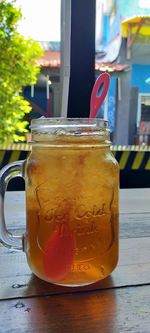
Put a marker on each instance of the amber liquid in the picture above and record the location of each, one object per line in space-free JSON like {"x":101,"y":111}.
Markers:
{"x":72,"y":214}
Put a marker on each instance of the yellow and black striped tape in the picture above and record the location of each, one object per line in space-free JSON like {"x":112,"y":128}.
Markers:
{"x":27,"y":147}
{"x":133,"y":160}
{"x":16,"y":146}
{"x":130,"y":148}
{"x":128,"y":157}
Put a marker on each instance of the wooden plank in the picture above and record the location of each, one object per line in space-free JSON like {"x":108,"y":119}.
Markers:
{"x":135,"y":201}
{"x":15,"y":207}
{"x":132,"y":201}
{"x":134,"y":225}
{"x":131,"y":225}
{"x":16,"y":279}
{"x":115,"y":311}
{"x":133,"y":221}
{"x":132,"y":251}
{"x":27,"y":285}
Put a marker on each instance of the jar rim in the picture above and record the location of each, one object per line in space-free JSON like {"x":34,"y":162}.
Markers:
{"x":44,"y":124}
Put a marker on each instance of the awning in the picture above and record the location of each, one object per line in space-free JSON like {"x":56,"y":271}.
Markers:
{"x":136,"y":28}
{"x":140,"y":24}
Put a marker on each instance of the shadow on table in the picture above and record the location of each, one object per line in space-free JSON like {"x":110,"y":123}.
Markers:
{"x":40,"y":287}
{"x":74,"y":309}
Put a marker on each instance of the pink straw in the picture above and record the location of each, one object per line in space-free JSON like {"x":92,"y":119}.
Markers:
{"x":96,"y":99}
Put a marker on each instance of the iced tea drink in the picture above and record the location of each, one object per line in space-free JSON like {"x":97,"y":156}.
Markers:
{"x":72,"y":202}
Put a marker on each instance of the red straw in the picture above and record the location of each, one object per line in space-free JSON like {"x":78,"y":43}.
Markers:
{"x":96,"y":100}
{"x":60,"y":247}
{"x":59,"y":253}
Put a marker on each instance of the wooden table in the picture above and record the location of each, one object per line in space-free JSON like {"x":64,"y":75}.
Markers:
{"x":120,"y":303}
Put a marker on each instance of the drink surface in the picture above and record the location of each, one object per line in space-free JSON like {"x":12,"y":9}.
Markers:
{"x":72,"y":213}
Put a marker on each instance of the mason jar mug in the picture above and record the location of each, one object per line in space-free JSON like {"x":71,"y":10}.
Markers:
{"x":71,"y":184}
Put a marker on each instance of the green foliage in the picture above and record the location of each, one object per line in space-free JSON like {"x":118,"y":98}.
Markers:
{"x":18,"y":68}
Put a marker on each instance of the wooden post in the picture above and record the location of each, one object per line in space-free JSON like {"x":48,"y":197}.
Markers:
{"x":82,"y":60}
{"x":65,"y":55}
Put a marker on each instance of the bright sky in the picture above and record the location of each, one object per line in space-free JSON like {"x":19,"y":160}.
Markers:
{"x":41,"y":19}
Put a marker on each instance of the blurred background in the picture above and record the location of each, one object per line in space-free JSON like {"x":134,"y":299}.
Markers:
{"x":122,"y":48}
{"x":79,"y":41}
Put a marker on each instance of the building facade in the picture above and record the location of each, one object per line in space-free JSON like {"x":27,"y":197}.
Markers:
{"x":125,"y":41}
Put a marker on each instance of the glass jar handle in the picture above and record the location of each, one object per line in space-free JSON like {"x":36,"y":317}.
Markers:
{"x":15,"y":169}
